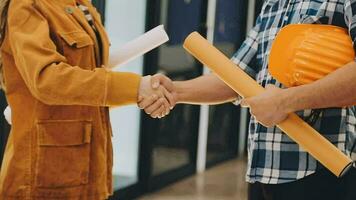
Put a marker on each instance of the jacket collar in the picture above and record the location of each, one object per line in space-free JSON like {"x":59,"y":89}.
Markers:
{"x":99,"y":26}
{"x":70,"y":7}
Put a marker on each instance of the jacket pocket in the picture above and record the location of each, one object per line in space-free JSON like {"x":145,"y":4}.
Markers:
{"x":77,"y":39}
{"x":78,"y":48}
{"x":63,"y":153}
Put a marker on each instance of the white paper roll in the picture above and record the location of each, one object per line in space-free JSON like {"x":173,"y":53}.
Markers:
{"x":138,"y":46}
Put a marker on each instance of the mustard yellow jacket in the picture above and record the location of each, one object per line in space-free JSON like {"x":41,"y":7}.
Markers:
{"x":60,"y":142}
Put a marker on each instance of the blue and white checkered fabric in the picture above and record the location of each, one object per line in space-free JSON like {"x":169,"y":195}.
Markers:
{"x":273,"y":157}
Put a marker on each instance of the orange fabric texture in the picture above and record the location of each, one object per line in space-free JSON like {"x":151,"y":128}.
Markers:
{"x":60,"y":142}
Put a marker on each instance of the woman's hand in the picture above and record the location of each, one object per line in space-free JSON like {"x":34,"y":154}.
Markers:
{"x":207,"y":89}
{"x":157,"y":95}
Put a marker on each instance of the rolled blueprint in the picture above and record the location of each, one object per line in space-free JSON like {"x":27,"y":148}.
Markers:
{"x":298,"y":130}
{"x":138,"y":46}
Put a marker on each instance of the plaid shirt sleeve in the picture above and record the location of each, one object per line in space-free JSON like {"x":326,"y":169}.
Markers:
{"x":245,"y":57}
{"x":350,"y":18}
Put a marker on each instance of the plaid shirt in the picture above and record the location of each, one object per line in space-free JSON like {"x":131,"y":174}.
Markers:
{"x":273,"y":158}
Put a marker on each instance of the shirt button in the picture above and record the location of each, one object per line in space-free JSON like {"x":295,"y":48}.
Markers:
{"x":69,"y":10}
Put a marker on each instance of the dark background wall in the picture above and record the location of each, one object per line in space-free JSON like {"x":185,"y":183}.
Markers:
{"x":4,"y":126}
{"x":100,"y":5}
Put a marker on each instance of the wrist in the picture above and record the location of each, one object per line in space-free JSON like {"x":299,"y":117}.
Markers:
{"x":179,"y":90}
{"x":289,"y":100}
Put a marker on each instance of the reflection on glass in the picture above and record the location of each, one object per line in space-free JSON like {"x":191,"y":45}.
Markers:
{"x":223,"y":129}
{"x":223,"y":119}
{"x":175,"y":139}
{"x":125,"y":121}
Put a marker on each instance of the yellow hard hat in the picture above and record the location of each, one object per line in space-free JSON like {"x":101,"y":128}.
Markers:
{"x":304,"y":53}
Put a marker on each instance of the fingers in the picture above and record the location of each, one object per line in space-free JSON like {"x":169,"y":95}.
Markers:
{"x":155,"y":81}
{"x":139,"y":99}
{"x":166,"y":108}
{"x":166,"y":86}
{"x":159,"y":110}
{"x":155,"y":106}
{"x":167,"y":83}
{"x":170,"y":97}
{"x":158,"y":113}
{"x":164,"y":99}
{"x":244,"y":103}
{"x":163,"y":80}
{"x":145,"y":102}
{"x":145,"y":88}
{"x":168,"y":101}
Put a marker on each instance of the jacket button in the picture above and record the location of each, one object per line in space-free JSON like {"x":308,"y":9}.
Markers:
{"x":69,"y":10}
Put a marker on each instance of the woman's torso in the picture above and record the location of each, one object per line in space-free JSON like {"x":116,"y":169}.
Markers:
{"x":57,"y":151}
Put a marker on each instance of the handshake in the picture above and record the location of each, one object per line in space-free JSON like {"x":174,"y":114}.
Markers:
{"x":157,"y":95}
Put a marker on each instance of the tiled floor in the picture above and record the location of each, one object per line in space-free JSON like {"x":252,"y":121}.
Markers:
{"x":223,"y":182}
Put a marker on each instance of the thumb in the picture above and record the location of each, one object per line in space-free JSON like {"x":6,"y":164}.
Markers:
{"x":155,"y":82}
{"x":139,"y":99}
{"x":165,"y":82}
{"x":244,"y":103}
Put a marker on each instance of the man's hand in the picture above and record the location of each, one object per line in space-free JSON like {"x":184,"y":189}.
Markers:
{"x":269,"y":107}
{"x":157,"y":95}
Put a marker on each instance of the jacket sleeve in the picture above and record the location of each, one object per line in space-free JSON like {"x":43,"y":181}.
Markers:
{"x":47,"y":75}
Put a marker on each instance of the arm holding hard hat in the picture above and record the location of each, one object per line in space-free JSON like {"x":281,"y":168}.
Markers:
{"x":338,"y":89}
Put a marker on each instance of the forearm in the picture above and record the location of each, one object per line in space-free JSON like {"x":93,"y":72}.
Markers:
{"x":207,"y":89}
{"x":338,"y":89}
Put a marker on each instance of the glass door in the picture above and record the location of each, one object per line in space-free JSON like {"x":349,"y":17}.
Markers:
{"x":171,"y":143}
{"x":229,"y":32}
{"x":124,"y":21}
{"x":4,"y":126}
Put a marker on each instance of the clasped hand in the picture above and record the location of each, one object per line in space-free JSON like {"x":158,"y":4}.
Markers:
{"x":157,"y":96}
